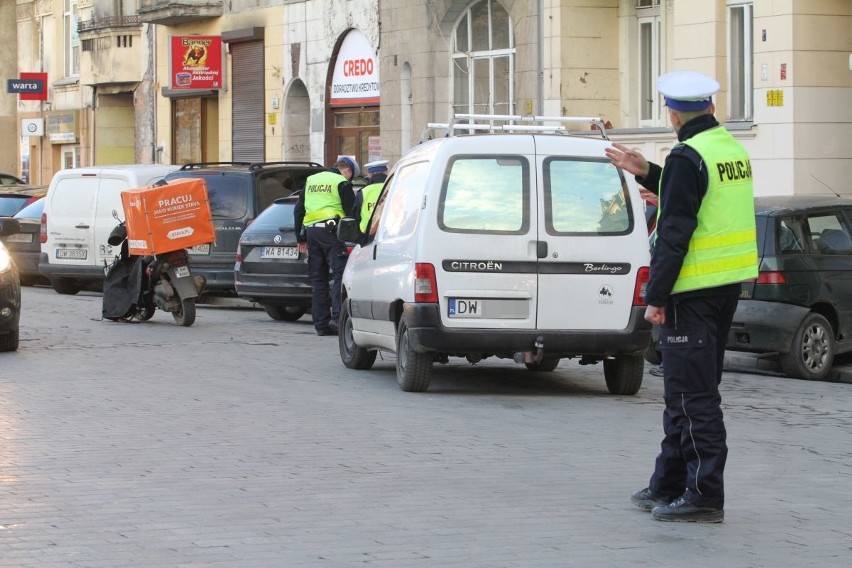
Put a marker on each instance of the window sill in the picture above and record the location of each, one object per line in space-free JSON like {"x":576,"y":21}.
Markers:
{"x":66,"y":81}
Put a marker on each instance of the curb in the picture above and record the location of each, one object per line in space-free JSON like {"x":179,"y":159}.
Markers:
{"x":768,"y":365}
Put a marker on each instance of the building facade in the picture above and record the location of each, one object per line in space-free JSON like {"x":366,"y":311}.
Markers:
{"x":314,"y":79}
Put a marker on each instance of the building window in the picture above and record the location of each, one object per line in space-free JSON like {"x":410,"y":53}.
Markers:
{"x":72,"y":40}
{"x":483,"y":60}
{"x":740,"y":56}
{"x":649,"y":64}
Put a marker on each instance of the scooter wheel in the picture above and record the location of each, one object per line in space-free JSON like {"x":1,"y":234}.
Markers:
{"x":185,"y":316}
{"x":146,"y":312}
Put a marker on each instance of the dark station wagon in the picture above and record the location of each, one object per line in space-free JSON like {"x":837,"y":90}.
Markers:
{"x":800,"y":306}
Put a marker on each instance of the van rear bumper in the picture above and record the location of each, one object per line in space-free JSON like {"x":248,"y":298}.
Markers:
{"x":72,"y":271}
{"x":428,"y":334}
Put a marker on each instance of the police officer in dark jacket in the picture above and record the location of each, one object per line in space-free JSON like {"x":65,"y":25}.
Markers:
{"x":705,"y":248}
{"x":327,"y":197}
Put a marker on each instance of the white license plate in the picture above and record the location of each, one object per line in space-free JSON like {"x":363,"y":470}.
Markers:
{"x":279,"y":252}
{"x":465,"y":308}
{"x":20,"y":238}
{"x":199,"y":249}
{"x":181,"y":271}
{"x":69,"y":253}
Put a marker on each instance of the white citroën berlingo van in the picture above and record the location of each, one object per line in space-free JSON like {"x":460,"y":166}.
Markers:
{"x":77,"y":220}
{"x":524,"y":244}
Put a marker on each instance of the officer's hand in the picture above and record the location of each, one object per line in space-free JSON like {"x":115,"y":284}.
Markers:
{"x":623,"y":157}
{"x":655,"y":315}
{"x":303,"y":247}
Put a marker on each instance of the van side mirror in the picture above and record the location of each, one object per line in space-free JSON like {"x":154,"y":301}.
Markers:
{"x":9,"y":226}
{"x":348,"y":229}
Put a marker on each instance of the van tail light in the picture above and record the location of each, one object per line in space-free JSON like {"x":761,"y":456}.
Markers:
{"x":642,"y":276}
{"x":771,"y":277}
{"x":42,"y":232}
{"x":239,"y":253}
{"x":425,"y":285}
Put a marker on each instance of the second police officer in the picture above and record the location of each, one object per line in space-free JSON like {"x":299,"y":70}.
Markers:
{"x":328,"y":196}
{"x":365,"y":200}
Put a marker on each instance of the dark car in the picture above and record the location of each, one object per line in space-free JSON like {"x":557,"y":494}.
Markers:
{"x":10,"y":291}
{"x":238,"y":192}
{"x":270,"y":270}
{"x":800,"y":306}
{"x":24,"y":245}
{"x":10,"y":180}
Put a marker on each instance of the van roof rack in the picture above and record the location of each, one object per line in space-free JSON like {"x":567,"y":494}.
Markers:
{"x":529,"y":124}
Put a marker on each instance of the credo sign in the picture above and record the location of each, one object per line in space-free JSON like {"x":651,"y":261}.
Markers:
{"x":356,"y":73}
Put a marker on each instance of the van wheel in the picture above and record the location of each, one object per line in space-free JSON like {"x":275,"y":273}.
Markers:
{"x":813,"y":350}
{"x":185,"y":315}
{"x":548,"y":363}
{"x":284,"y":313}
{"x":624,"y":374}
{"x":413,"y":369}
{"x":65,"y":286}
{"x":352,"y":356}
{"x":9,"y":341}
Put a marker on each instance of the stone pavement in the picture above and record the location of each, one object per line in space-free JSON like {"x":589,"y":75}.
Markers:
{"x":244,"y":442}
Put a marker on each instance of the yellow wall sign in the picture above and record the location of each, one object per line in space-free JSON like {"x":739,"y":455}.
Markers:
{"x":272,"y":118}
{"x":775,"y":98}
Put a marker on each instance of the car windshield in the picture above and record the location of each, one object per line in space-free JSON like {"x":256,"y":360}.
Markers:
{"x":275,"y":217}
{"x":228,"y":193}
{"x":31,"y":211}
{"x":11,"y":204}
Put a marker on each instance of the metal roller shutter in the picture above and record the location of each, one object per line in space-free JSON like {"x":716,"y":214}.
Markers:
{"x":247,"y":132}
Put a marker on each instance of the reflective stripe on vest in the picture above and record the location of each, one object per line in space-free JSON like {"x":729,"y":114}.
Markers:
{"x":369,"y":195}
{"x":723,"y":248}
{"x":322,"y":200}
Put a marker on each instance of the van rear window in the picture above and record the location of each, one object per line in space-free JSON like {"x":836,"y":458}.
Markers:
{"x":585,"y":197}
{"x":486,"y":195}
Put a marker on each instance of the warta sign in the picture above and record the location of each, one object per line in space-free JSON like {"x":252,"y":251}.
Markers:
{"x":356,"y":73}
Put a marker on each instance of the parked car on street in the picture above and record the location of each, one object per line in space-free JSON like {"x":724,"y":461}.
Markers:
{"x":238,"y":192}
{"x":800,"y":306}
{"x":24,"y":245}
{"x":7,"y":179}
{"x":269,"y":269}
{"x":10,"y":291}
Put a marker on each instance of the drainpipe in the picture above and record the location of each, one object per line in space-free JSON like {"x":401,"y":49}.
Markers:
{"x":541,"y":57}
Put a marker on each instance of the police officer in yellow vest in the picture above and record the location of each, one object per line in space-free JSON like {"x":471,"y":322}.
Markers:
{"x":705,"y":247}
{"x":327,"y":197}
{"x":377,"y":173}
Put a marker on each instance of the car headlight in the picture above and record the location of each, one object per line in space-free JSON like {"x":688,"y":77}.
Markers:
{"x":5,"y":259}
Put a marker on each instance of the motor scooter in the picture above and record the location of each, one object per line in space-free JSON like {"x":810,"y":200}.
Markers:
{"x":134,"y":286}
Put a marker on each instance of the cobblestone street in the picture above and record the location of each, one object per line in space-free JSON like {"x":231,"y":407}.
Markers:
{"x":244,"y":442}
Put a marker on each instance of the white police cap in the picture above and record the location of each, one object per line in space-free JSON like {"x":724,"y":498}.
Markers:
{"x":376,"y":166}
{"x":687,"y":90}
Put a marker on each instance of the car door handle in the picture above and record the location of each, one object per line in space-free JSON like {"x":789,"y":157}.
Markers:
{"x":82,"y":226}
{"x":541,"y":249}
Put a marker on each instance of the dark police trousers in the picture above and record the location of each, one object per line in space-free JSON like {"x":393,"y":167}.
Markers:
{"x":326,"y":261}
{"x":693,"y":451}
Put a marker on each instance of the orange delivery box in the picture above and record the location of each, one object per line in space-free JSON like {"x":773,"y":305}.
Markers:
{"x":164,"y":218}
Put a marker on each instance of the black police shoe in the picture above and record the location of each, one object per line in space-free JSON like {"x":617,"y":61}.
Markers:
{"x":683,"y":511}
{"x":327,"y":331}
{"x":646,"y":499}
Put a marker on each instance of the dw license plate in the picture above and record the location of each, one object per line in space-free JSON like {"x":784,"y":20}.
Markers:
{"x":73,"y":254}
{"x":465,"y":308}
{"x":199,"y":249}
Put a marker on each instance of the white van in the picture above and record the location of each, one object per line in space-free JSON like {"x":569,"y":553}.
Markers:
{"x":77,"y":220}
{"x":530,"y":247}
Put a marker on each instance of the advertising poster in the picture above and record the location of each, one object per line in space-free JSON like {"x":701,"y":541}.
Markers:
{"x":196,"y":62}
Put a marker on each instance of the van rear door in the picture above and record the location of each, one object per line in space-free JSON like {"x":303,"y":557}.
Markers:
{"x":592,"y":235}
{"x":485,"y":246}
{"x":70,"y":217}
{"x":109,"y":200}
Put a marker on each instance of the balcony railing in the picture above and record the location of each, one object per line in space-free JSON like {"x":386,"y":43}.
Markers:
{"x":173,"y":12}
{"x":108,"y":22}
